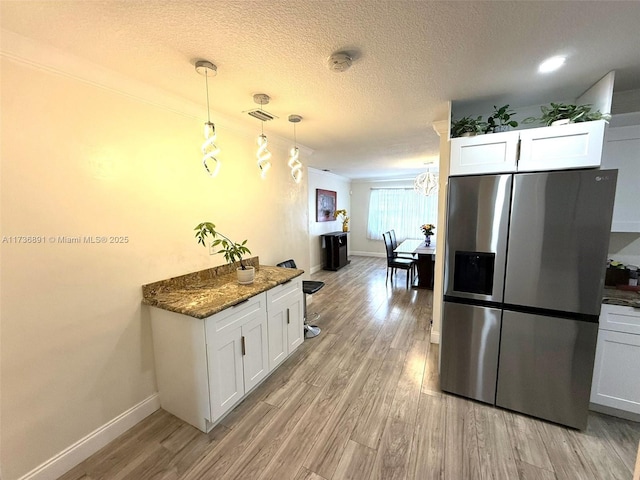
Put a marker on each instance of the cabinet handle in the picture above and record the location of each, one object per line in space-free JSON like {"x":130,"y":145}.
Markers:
{"x":244,"y":350}
{"x":288,"y":316}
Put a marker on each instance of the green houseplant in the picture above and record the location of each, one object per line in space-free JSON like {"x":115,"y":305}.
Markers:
{"x":467,"y":126}
{"x":567,"y":113}
{"x":500,"y":119}
{"x":232,"y":251}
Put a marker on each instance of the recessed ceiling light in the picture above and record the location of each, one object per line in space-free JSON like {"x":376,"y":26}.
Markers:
{"x":551,"y":64}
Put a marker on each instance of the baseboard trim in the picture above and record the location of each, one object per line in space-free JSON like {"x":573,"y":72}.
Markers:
{"x":368,"y":254}
{"x":315,"y":269}
{"x":71,"y":456}
{"x":615,"y":412}
{"x":435,"y":337}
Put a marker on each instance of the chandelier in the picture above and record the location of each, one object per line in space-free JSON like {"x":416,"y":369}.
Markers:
{"x":426,"y":183}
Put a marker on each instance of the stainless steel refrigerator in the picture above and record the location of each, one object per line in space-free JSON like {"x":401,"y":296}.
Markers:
{"x":525,"y":259}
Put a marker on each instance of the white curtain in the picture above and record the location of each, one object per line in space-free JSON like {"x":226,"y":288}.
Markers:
{"x":401,"y":209}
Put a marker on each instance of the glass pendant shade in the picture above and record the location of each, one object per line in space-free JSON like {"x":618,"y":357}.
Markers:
{"x":294,"y":154}
{"x":210,"y":150}
{"x":263,"y":155}
{"x":295,"y":164}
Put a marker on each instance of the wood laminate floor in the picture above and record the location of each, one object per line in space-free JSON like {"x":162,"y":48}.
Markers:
{"x":362,"y":402}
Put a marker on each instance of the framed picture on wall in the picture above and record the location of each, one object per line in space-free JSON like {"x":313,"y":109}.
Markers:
{"x":326,"y":202}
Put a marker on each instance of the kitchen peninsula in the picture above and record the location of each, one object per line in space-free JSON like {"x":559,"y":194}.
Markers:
{"x":215,"y":340}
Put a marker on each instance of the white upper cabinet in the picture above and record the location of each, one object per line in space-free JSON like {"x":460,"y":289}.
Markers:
{"x":561,"y":147}
{"x":496,"y":152}
{"x":577,"y":145}
{"x":622,"y":151}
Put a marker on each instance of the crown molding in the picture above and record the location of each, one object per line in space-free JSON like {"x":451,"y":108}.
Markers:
{"x":441,"y":127}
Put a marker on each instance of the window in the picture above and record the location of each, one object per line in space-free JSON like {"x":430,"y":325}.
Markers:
{"x":401,"y":209}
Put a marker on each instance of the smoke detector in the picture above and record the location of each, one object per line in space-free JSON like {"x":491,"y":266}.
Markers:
{"x":259,"y":113}
{"x":339,"y":62}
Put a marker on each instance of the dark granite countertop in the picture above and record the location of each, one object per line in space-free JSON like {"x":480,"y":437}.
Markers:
{"x":204,"y":293}
{"x":614,"y":296}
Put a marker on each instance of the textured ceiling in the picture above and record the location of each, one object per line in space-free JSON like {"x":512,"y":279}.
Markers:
{"x":411,"y":58}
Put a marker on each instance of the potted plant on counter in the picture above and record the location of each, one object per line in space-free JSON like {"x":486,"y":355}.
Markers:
{"x":232,"y":251}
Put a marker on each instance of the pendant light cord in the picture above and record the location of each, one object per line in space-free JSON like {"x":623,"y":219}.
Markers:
{"x":206,"y":81}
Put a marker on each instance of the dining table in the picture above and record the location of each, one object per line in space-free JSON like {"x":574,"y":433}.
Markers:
{"x":425,"y":261}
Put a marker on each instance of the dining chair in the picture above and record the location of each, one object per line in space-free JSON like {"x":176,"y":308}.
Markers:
{"x":394,"y":262}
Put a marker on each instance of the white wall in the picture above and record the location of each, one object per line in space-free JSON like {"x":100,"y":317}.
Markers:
{"x":340,"y":185}
{"x":625,"y":248}
{"x":360,"y":244}
{"x":82,"y":160}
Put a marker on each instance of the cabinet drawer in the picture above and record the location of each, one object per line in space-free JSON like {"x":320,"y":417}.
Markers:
{"x":618,"y":318}
{"x":283,"y":293}
{"x":236,"y":315}
{"x":496,"y":152}
{"x":575,"y":145}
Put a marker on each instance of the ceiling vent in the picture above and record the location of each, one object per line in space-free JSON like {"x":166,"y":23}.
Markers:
{"x":259,"y":113}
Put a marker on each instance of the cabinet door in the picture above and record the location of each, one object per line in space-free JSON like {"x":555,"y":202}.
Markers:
{"x":576,"y":145}
{"x":278,"y":350}
{"x":490,"y":153}
{"x":226,"y":372}
{"x":616,"y":371}
{"x":255,"y":352}
{"x":285,"y":319}
{"x":295,"y":322}
{"x":622,"y":151}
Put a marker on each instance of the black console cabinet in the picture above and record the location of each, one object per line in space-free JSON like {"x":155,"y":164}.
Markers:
{"x":335,"y":250}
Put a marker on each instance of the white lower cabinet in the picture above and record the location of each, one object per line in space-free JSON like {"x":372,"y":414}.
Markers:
{"x":285,"y":319}
{"x":616,"y":372}
{"x":206,"y":367}
{"x":237,"y":353}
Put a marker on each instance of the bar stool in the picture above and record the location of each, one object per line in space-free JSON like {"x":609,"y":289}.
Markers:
{"x":309,"y":287}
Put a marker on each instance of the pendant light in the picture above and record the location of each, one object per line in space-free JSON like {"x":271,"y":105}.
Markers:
{"x":263,"y":154}
{"x":294,"y":153}
{"x":209,"y":148}
{"x":426,"y":183}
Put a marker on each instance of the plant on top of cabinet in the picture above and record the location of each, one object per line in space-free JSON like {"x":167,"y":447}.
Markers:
{"x":561,"y":113}
{"x":467,"y":127}
{"x":232,"y":251}
{"x":500,"y":120}
{"x":344,"y":220}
